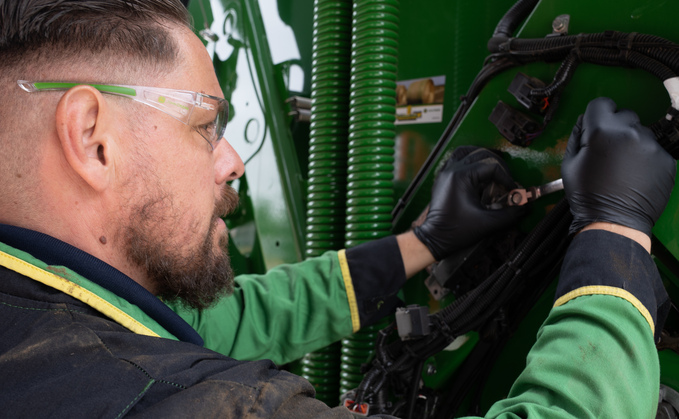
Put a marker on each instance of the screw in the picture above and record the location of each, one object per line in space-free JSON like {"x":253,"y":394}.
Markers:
{"x":560,"y":24}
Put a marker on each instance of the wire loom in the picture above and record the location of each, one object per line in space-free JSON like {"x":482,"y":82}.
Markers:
{"x":491,"y":307}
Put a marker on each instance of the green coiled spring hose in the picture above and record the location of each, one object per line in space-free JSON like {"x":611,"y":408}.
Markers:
{"x":328,"y":163}
{"x":370,"y":200}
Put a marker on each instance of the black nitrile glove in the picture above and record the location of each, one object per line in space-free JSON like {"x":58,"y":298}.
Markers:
{"x":457,"y":218}
{"x":614,"y":170}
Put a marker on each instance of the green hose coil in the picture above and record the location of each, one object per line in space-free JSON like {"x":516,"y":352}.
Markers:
{"x":370,"y":172}
{"x":326,"y":194}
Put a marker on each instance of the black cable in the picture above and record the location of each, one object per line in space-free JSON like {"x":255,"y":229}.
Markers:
{"x":557,"y":48}
{"x":414,"y":389}
{"x":562,"y":77}
{"x":511,"y":21}
{"x":628,"y":58}
{"x":488,"y":297}
{"x":479,"y":306}
{"x":477,"y":366}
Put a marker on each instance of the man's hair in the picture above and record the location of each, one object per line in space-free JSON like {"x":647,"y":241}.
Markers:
{"x":105,"y":41}
{"x":35,"y":32}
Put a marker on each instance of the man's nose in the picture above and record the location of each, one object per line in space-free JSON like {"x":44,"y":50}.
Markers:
{"x":228,"y":164}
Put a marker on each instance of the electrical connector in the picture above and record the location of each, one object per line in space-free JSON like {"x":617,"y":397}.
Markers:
{"x":521,"y":87}
{"x":518,"y":128}
{"x":412,"y":322}
{"x":357,"y":409}
{"x":666,"y":132}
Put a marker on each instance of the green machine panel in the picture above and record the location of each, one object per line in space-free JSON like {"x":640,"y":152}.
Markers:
{"x":262,"y":51}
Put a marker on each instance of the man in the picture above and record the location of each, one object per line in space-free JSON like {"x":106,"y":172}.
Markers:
{"x":113,"y":182}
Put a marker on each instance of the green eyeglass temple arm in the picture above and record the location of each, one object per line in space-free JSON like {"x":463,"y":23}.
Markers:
{"x":104,"y":88}
{"x":179,"y":104}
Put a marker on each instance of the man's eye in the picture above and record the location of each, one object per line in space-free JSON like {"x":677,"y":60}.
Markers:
{"x":206,"y":129}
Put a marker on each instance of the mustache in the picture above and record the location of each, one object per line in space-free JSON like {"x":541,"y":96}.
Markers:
{"x":228,"y":202}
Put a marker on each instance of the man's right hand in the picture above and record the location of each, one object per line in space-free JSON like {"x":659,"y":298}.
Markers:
{"x":457,"y":216}
{"x":615,"y":171}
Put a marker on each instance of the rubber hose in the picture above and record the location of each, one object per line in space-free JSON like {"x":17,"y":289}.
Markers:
{"x":630,"y":58}
{"x":510,"y":21}
{"x":327,"y":176}
{"x":557,"y":48}
{"x":602,"y":56}
{"x":563,"y":76}
{"x":374,"y":57}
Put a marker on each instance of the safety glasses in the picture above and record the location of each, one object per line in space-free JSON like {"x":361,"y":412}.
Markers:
{"x":204,"y":113}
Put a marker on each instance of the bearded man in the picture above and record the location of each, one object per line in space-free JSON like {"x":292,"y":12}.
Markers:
{"x":115,"y":285}
{"x":114,"y":180}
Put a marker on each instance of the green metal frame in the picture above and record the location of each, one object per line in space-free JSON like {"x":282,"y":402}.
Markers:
{"x":438,"y":37}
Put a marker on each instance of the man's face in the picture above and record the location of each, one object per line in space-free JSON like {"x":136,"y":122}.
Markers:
{"x":173,"y":229}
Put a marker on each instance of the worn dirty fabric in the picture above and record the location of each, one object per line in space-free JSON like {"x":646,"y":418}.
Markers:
{"x":60,"y":358}
{"x":70,"y":347}
{"x":595,"y":355}
{"x":292,"y":310}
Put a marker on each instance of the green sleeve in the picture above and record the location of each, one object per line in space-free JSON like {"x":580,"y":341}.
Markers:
{"x":295,"y":309}
{"x":594,"y":358}
{"x":595,"y":355}
{"x":289,"y":311}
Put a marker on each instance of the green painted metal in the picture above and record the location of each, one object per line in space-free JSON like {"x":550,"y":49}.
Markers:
{"x":435,"y":38}
{"x":439,"y":38}
{"x":261,"y":133}
{"x":540,"y":163}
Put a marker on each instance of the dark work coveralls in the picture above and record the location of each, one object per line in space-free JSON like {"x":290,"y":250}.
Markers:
{"x":80,"y":339}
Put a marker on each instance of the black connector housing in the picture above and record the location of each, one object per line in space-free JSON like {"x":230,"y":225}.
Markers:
{"x":518,"y":128}
{"x":521,"y":87}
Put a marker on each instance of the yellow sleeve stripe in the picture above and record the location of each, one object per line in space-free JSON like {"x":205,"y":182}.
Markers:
{"x":349,"y":286}
{"x":606,"y":290}
{"x":75,"y":291}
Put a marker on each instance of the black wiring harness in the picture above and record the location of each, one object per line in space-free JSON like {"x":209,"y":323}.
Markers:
{"x":398,"y":364}
{"x":496,"y":305}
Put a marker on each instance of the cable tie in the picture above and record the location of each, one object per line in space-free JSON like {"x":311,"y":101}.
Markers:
{"x":445,"y":329}
{"x":576,"y":48}
{"x":509,"y":45}
{"x":626,"y":47}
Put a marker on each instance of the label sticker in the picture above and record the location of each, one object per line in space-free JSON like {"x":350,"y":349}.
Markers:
{"x":420,"y":101}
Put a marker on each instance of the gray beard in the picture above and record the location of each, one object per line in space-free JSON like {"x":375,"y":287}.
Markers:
{"x":196,"y":280}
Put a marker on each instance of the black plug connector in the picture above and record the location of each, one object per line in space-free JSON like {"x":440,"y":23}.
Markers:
{"x":518,"y":128}
{"x":521,"y":87}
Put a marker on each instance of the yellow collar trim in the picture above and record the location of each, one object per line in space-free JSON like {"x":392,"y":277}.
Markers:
{"x":76,"y":291}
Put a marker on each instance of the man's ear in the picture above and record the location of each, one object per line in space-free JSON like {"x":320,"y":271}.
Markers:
{"x":84,"y":128}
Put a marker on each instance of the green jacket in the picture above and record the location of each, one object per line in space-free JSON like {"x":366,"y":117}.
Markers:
{"x":594,"y":357}
{"x":290,"y":311}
